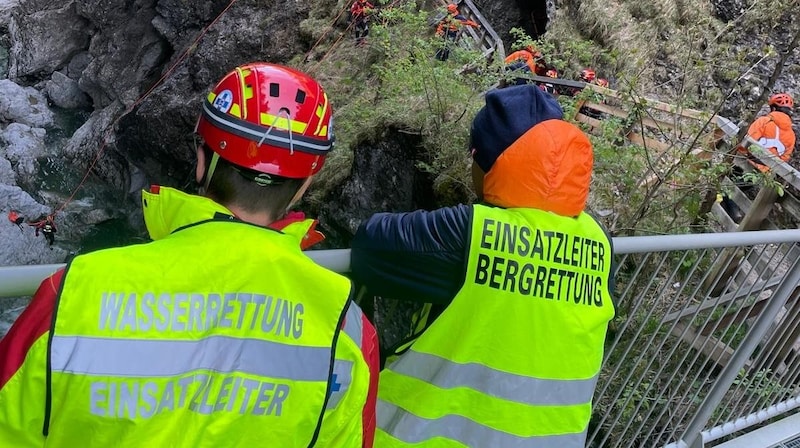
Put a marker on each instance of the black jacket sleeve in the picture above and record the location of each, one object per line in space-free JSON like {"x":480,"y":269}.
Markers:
{"x":419,"y":256}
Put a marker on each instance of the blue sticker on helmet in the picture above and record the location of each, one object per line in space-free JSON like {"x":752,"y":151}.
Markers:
{"x":224,"y":101}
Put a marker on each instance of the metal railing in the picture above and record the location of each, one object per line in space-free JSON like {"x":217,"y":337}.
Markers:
{"x":681,"y":367}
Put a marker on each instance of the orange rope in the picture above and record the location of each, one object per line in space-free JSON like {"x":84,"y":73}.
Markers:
{"x":333,"y":46}
{"x":330,"y":27}
{"x":130,"y":108}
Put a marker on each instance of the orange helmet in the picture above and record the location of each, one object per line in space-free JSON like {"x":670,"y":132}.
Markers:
{"x":551,"y":73}
{"x":602,"y":82}
{"x":588,"y":75}
{"x":270,"y":119}
{"x":452,"y":8}
{"x":781,"y":100}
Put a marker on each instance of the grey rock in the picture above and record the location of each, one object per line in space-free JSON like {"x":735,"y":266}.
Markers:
{"x":78,"y":64}
{"x":7,"y":175}
{"x":126,"y":58}
{"x":23,"y":145}
{"x":91,"y":145}
{"x":96,"y":216}
{"x":24,"y":105}
{"x":44,"y":37}
{"x":64,"y":92}
{"x":13,"y":197}
{"x":6,"y":6}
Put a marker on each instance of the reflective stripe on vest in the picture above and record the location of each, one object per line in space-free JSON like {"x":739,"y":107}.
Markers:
{"x":446,"y":374}
{"x":149,"y":349}
{"x":342,"y":370}
{"x":515,"y":357}
{"x":353,"y":325}
{"x":408,"y":428}
{"x":161,"y":358}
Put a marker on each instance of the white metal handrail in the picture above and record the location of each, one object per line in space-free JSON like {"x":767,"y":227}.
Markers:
{"x":16,"y":281}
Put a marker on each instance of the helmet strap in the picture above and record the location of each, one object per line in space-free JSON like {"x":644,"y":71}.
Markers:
{"x":212,"y":166}
{"x":272,"y":126}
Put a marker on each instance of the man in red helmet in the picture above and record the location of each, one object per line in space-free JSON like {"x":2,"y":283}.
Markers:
{"x":450,"y":28}
{"x":220,"y":332}
{"x":774,"y":131}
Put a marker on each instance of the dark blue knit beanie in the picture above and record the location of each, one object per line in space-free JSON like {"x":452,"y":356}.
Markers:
{"x":509,"y":112}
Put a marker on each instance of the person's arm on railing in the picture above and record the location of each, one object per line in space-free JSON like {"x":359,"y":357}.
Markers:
{"x":419,"y":256}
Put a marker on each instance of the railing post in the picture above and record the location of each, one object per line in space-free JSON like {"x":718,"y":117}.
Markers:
{"x":693,"y":436}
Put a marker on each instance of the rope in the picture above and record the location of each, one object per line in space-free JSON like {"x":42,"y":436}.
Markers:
{"x":333,"y":46}
{"x":328,"y":29}
{"x":141,"y":98}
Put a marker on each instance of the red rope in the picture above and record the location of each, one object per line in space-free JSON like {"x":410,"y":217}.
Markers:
{"x":141,"y":98}
{"x":330,"y":27}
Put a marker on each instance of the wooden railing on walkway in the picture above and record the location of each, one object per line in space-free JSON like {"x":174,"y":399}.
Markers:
{"x":485,"y":38}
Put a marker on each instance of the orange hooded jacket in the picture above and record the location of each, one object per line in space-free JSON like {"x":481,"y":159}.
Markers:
{"x":774,"y":132}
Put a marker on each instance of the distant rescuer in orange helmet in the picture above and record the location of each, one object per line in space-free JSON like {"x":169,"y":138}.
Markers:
{"x":450,"y":28}
{"x":533,"y":59}
{"x":15,"y":218}
{"x":774,"y":130}
{"x":519,"y":287}
{"x":220,"y":332}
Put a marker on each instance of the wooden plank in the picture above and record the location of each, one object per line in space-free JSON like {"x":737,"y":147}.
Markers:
{"x":712,"y":347}
{"x":648,"y":142}
{"x":727,"y":223}
{"x":593,"y":122}
{"x":790,"y":205}
{"x":734,"y":316}
{"x":777,"y":166}
{"x":655,"y":104}
{"x":722,"y":300}
{"x":604,"y":108}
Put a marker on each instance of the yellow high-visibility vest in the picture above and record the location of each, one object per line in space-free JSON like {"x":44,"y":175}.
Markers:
{"x":514,"y":359}
{"x":167,"y":344}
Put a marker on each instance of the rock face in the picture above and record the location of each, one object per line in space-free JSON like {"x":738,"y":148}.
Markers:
{"x":23,"y":145}
{"x":36,"y":51}
{"x":384,"y":178}
{"x":23,"y":105}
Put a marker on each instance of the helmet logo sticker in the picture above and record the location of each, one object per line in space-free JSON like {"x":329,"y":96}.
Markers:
{"x":224,"y":101}
{"x":252,"y":150}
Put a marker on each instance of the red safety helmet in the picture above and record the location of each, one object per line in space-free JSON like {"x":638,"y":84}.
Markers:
{"x":588,"y":75}
{"x":782,"y":100}
{"x":552,"y":73}
{"x":602,"y":82}
{"x":452,"y":8}
{"x":270,"y":119}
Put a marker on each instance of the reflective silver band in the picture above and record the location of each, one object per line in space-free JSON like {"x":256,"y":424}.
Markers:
{"x":353,"y":325}
{"x":446,"y":374}
{"x":276,"y":137}
{"x":340,"y":382}
{"x":163,"y":358}
{"x":410,"y":428}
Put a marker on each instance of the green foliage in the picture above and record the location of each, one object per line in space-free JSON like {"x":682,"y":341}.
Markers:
{"x":406,"y":88}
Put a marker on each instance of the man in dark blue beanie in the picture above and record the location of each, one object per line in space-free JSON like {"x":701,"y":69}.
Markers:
{"x":518,"y":291}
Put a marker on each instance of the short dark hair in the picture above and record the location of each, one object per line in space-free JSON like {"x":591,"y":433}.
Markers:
{"x":234,"y":185}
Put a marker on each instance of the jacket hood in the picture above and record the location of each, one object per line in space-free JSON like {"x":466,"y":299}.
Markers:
{"x":548,"y":168}
{"x":167,"y":209}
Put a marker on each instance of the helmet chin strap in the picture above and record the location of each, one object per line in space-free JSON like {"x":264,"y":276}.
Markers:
{"x":212,"y":166}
